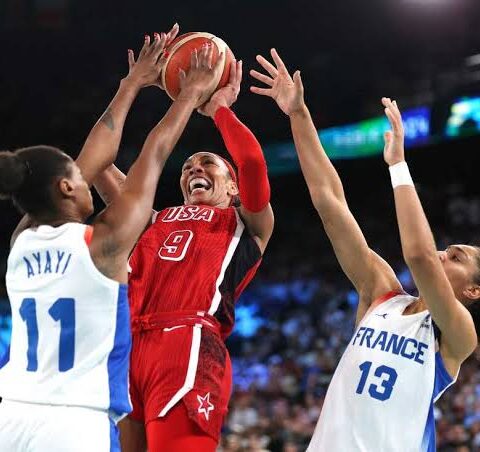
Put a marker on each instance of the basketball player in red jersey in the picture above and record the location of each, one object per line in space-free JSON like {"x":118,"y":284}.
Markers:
{"x":188,"y":269}
{"x":49,"y":187}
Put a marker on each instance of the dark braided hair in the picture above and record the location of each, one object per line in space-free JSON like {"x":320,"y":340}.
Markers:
{"x":27,"y":176}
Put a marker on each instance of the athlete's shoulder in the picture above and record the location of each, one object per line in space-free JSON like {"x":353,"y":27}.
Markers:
{"x":68,"y":232}
{"x":391,"y":296}
{"x":388,"y":300}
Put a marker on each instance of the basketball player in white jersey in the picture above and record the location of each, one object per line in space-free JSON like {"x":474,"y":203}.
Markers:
{"x":405,"y":351}
{"x":65,"y":385}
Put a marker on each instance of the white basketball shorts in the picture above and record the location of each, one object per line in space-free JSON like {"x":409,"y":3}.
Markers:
{"x":29,"y":427}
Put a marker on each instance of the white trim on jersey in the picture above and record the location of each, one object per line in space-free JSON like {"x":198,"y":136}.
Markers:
{"x":228,"y":257}
{"x":196,"y":337}
{"x":191,"y":371}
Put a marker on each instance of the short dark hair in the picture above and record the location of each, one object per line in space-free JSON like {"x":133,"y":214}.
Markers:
{"x":27,"y":176}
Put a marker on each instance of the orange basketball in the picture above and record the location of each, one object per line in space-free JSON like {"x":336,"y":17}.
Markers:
{"x":178,"y":55}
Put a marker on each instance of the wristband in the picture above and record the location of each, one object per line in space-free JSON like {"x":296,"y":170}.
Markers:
{"x":400,"y":174}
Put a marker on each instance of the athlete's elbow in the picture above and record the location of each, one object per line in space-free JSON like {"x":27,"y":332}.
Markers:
{"x":317,"y":195}
{"x":324,"y":199}
{"x":253,"y":163}
{"x":419,"y":256}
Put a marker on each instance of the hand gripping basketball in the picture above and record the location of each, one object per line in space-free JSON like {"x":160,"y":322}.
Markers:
{"x":145,"y":71}
{"x":200,"y":80}
{"x":177,"y":56}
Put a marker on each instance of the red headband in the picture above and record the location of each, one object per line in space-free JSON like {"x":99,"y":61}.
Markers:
{"x":232,"y":172}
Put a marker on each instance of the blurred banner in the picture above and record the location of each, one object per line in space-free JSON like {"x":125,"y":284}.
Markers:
{"x":365,"y":138}
{"x":464,"y":118}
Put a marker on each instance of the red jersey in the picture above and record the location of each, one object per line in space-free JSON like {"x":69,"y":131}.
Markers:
{"x":187,"y":271}
{"x":192,"y":258}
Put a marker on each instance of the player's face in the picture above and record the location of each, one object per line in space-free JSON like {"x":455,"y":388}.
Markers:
{"x":205,"y":180}
{"x":460,"y":263}
{"x":81,"y":191}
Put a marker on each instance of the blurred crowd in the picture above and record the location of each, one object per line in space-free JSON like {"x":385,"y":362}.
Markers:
{"x":282,"y":372}
{"x":294,"y":323}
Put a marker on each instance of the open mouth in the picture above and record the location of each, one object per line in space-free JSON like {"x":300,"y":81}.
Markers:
{"x":199,"y":185}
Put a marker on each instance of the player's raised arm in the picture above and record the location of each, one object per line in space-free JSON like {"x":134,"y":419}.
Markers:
{"x":143,"y":72}
{"x":119,"y":226}
{"x":101,"y":146}
{"x":459,"y":338}
{"x":369,"y":273}
{"x":247,"y":155}
{"x":109,"y":184}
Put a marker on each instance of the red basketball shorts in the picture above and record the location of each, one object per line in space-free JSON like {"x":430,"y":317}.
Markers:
{"x":160,"y":361}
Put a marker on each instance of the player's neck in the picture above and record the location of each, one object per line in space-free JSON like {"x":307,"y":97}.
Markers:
{"x":63,"y":211}
{"x":56,"y":220}
{"x":217,"y":205}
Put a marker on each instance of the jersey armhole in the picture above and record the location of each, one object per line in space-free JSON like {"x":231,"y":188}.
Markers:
{"x":443,"y":379}
{"x":88,"y":235}
{"x":380,"y":300}
{"x":385,"y":297}
{"x":377,"y":302}
{"x":246,"y":280}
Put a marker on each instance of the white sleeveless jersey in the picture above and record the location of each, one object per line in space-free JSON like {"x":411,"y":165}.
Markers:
{"x":381,"y":396}
{"x":71,"y":338}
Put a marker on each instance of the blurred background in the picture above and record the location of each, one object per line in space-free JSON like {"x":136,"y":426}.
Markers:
{"x":61,"y":62}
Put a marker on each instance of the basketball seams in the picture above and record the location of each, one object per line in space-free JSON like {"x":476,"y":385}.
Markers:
{"x":221,"y":47}
{"x":175,"y":47}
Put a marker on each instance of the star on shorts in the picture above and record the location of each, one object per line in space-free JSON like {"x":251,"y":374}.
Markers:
{"x":205,"y":405}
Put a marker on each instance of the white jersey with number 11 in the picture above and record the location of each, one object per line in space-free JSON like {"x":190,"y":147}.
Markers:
{"x":70,"y":339}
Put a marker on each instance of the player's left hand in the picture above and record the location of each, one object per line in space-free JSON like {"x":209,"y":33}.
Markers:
{"x":145,"y":71}
{"x":226,"y":96}
{"x":394,"y":150}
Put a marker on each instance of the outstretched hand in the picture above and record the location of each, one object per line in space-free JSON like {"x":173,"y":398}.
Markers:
{"x":226,"y":96}
{"x":394,"y":150}
{"x":200,"y":78}
{"x":285,"y":90}
{"x":145,"y":70}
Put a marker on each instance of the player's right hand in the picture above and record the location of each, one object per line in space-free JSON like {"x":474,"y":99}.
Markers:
{"x":200,"y":78}
{"x":227,"y":95}
{"x":145,"y":71}
{"x":394,"y":150}
{"x":287,"y":91}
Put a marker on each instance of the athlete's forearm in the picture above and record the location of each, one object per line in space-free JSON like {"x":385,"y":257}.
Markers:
{"x":247,"y":155}
{"x":165,"y":135}
{"x":159,"y":144}
{"x":368,"y":272}
{"x":319,"y":173}
{"x":415,"y":233}
{"x":459,"y":338}
{"x":109,"y":183}
{"x":130,"y":212}
{"x":101,"y":146}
